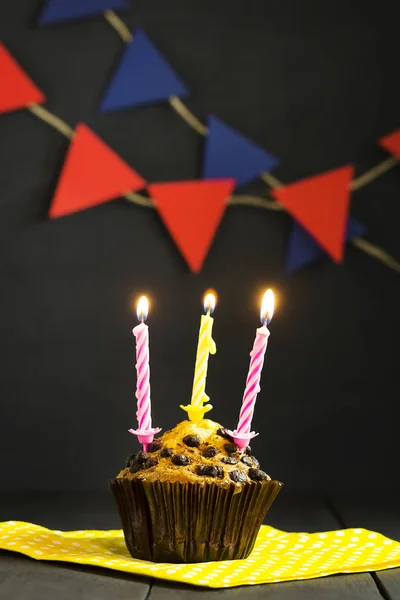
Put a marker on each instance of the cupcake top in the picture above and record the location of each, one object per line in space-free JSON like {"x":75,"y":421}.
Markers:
{"x":195,"y":453}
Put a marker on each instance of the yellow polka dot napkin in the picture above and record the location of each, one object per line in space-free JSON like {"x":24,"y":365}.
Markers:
{"x":277,"y":556}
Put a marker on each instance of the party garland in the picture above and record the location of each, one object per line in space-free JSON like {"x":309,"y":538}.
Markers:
{"x":275,"y":186}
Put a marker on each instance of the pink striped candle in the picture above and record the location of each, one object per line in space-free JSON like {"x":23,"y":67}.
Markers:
{"x":242,"y":435}
{"x":145,"y":432}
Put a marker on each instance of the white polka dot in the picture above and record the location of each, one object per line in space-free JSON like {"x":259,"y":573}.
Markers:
{"x":354,"y":539}
{"x":322,"y":535}
{"x":372,"y":535}
{"x":388,"y":542}
{"x":357,"y":530}
{"x":339,"y":533}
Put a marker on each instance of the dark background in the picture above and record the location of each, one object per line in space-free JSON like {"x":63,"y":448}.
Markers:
{"x":314,"y":83}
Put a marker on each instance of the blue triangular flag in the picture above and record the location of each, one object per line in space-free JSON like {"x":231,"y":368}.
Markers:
{"x":228,"y":153}
{"x":303,"y":249}
{"x":143,"y":77}
{"x":63,"y":10}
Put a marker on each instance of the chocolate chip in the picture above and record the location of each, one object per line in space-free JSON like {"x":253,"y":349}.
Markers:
{"x":248,"y":450}
{"x":141,"y":457}
{"x":224,"y":433}
{"x":192,"y":440}
{"x":210,"y":452}
{"x":257,"y":475}
{"x":231,"y":448}
{"x":180,"y":459}
{"x":229,"y":460}
{"x":155,"y":445}
{"x":130,"y":459}
{"x":166,"y":452}
{"x":135,"y":468}
{"x":237,"y":476}
{"x":247,"y":461}
{"x":210,"y":471}
{"x":150,"y":462}
{"x":220,"y":472}
{"x":256,"y":464}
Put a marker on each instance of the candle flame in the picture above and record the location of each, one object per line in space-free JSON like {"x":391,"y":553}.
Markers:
{"x":142,"y":309}
{"x":209,"y":302}
{"x":267,"y":307}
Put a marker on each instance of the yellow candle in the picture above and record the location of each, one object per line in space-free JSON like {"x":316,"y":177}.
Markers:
{"x":205,"y":347}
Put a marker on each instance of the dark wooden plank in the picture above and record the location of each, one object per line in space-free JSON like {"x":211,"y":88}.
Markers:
{"x":290,"y":513}
{"x":22,"y":578}
{"x":26,"y":579}
{"x":379,"y":512}
{"x":389,"y":583}
{"x":338,"y":587}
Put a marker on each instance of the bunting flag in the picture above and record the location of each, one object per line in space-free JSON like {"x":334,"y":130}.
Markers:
{"x":391,"y":143}
{"x":192,"y":211}
{"x":17,"y":89}
{"x":303,"y":249}
{"x":65,"y":10}
{"x":228,"y":153}
{"x":143,"y":77}
{"x":320,"y":204}
{"x":92,"y":174}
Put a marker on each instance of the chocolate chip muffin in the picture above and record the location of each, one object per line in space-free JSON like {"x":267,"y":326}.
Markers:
{"x":193,"y":496}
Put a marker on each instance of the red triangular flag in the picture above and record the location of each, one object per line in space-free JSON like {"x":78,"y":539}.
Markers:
{"x":192,"y":211}
{"x":320,"y":204}
{"x":391,"y":143}
{"x":92,"y":174}
{"x":17,"y":89}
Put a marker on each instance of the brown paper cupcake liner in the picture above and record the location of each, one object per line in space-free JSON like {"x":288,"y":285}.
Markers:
{"x":190,"y":522}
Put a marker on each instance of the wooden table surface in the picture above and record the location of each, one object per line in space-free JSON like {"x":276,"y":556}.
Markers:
{"x":22,"y":578}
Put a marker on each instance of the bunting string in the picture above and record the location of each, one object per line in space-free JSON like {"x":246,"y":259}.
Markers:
{"x":133,"y":197}
{"x":117,"y":23}
{"x":187,"y":116}
{"x":113,"y":19}
{"x":45,"y":115}
{"x":376,"y":252}
{"x":270,"y":180}
{"x":245,"y":199}
{"x":373,"y":173}
{"x":357,"y":183}
{"x":261,"y":159}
